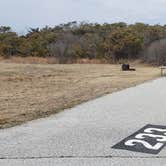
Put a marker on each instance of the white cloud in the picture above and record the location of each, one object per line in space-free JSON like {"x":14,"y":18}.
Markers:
{"x":26,"y":13}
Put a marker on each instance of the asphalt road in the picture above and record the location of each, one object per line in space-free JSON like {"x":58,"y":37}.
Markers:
{"x":84,"y":135}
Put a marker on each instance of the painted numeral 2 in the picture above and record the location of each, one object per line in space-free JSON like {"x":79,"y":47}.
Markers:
{"x":149,"y":132}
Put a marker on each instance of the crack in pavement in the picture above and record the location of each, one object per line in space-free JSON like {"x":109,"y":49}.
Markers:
{"x":82,"y":157}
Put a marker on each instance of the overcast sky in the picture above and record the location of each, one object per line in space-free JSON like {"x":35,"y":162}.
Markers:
{"x":21,"y":14}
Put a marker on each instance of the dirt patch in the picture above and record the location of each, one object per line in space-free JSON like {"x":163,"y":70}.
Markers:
{"x":31,"y":91}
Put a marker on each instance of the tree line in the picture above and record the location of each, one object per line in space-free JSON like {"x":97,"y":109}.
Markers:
{"x":72,"y":41}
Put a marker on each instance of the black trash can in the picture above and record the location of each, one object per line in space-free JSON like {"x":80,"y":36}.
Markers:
{"x":125,"y":67}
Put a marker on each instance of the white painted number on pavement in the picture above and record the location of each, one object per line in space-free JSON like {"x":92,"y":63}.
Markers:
{"x":150,"y":139}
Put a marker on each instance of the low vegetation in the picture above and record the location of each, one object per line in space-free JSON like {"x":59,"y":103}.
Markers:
{"x":31,"y":91}
{"x":72,"y":41}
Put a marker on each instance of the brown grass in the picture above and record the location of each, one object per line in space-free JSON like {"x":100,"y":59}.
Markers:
{"x":29,"y":60}
{"x":47,"y":60}
{"x":31,"y":91}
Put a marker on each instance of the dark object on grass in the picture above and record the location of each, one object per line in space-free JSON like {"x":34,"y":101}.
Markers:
{"x":126,"y":67}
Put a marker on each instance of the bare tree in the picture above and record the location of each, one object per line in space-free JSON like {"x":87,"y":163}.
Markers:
{"x":156,"y":52}
{"x":62,"y":49}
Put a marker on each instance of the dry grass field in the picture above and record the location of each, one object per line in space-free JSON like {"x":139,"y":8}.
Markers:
{"x":31,"y":91}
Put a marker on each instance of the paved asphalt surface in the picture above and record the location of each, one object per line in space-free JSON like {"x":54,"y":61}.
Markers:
{"x":84,"y":135}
